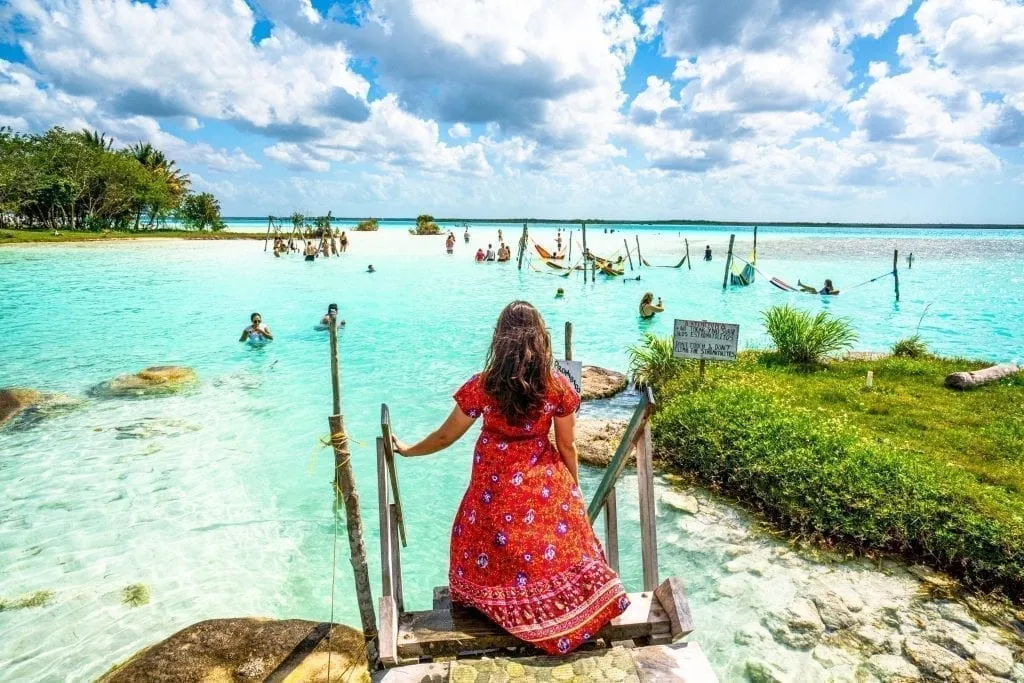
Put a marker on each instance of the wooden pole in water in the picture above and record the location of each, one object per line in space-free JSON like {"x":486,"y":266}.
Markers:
{"x":568,"y":258}
{"x":568,"y":340}
{"x":689,"y":266}
{"x":639,"y":256}
{"x":755,"y":244}
{"x":625,"y":243}
{"x":270,"y":220}
{"x":728,"y":262}
{"x":896,"y":272}
{"x":346,"y":494}
{"x":585,"y":252}
{"x":522,"y":247}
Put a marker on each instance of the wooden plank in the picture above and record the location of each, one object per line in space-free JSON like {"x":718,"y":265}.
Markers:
{"x":432,"y":672}
{"x":388,"y":631}
{"x":384,"y":519}
{"x":618,"y":461}
{"x":671,"y":594}
{"x":681,"y":663}
{"x":442,"y":597}
{"x":396,"y":560}
{"x":389,"y":456}
{"x":648,"y":525}
{"x":446,"y":633}
{"x":611,"y":531}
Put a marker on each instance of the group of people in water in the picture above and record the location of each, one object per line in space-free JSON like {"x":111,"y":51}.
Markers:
{"x":258,"y":332}
{"x":331,"y":243}
{"x":503,"y":253}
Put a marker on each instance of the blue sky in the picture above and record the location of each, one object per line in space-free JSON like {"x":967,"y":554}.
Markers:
{"x":837,"y":110}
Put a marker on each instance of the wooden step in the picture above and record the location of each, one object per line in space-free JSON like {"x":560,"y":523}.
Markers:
{"x":679,"y":663}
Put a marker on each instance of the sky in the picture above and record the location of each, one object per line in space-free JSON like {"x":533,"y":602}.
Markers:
{"x":759,"y":110}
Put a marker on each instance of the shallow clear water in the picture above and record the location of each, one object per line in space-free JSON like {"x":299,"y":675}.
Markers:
{"x":219,"y":500}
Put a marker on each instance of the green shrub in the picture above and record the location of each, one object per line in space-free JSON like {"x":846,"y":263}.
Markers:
{"x":369,"y":225}
{"x":652,"y":364}
{"x":802,"y":338}
{"x":910,"y":347}
{"x":808,"y":471}
{"x":425,"y":225}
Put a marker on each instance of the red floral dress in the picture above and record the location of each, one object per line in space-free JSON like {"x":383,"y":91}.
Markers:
{"x":523,"y":551}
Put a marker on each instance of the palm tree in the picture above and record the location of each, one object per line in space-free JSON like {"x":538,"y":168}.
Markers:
{"x":94,"y":138}
{"x":157,"y":163}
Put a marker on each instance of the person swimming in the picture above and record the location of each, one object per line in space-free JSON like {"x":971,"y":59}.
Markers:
{"x":257,"y":331}
{"x":371,"y":269}
{"x":332,"y":315}
{"x":559,"y":293}
{"x":828,"y":290}
{"x":647,"y":306}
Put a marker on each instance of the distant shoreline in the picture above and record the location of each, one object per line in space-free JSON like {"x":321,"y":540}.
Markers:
{"x":14,"y":237}
{"x":608,"y":221}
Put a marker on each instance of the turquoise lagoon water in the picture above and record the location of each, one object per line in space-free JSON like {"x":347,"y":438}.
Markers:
{"x":219,"y":500}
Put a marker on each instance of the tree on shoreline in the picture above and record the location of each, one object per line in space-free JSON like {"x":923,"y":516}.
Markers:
{"x":78,"y":181}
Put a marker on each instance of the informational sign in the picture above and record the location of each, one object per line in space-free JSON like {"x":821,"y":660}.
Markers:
{"x":704,"y":340}
{"x":573,"y":371}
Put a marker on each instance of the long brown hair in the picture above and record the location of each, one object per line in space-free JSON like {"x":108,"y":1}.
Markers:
{"x":517,"y":375}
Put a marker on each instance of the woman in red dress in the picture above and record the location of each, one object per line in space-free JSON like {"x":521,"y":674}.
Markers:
{"x":522,"y":549}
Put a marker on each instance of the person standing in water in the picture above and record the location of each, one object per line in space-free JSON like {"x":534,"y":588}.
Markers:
{"x":707,"y":253}
{"x":489,"y":256}
{"x":465,"y":236}
{"x":501,"y":237}
{"x":648,"y":308}
{"x":310,"y":251}
{"x":522,"y":549}
{"x":449,"y":244}
{"x":257,"y":331}
{"x":332,"y":316}
{"x":558,"y":243}
{"x":344,"y":242}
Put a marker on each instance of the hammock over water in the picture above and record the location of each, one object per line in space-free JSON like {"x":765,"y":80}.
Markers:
{"x":743,"y":277}
{"x":545,"y":254}
{"x":678,"y":265}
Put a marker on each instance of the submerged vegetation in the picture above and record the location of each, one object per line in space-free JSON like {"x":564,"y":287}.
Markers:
{"x":37,"y":599}
{"x":905,"y":467}
{"x":800,"y":337}
{"x":135,"y":595}
{"x":61,"y":180}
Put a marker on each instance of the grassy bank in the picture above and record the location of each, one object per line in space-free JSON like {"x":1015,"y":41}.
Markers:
{"x":905,"y":467}
{"x":39,"y":236}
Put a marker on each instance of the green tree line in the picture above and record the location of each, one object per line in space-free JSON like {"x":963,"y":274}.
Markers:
{"x":78,"y":181}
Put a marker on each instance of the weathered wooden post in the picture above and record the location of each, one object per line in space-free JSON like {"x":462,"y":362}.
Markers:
{"x":270,"y":221}
{"x":345,"y":494}
{"x":689,"y":266}
{"x":728,"y":262}
{"x":568,"y":340}
{"x":755,"y":244}
{"x":910,"y":260}
{"x":583,"y":226}
{"x":522,"y":247}
{"x":625,"y":243}
{"x":639,"y":256}
{"x":568,"y":258}
{"x":896,"y":271}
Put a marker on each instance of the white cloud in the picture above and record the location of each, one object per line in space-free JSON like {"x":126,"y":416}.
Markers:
{"x":878,"y":70}
{"x":459,"y":130}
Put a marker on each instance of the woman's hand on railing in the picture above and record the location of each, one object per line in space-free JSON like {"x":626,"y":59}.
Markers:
{"x":398,"y":445}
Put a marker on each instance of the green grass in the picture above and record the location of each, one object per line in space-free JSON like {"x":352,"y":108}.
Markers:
{"x":34,"y":236}
{"x":27,"y":601}
{"x":906,"y":467}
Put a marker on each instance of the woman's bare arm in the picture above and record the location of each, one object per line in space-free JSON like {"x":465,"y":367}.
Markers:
{"x":565,"y":441}
{"x":444,"y":436}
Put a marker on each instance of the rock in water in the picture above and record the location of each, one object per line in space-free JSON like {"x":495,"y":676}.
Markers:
{"x":798,"y":626}
{"x":159,"y":380}
{"x":596,"y":441}
{"x":601,"y":383}
{"x":994,"y":658}
{"x":932,"y":658}
{"x":241,"y":649}
{"x":18,"y":402}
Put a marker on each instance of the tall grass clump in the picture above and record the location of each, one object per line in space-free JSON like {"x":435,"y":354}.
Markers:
{"x":369,"y":225}
{"x":651,"y":363}
{"x":806,"y":339}
{"x":910,"y":347}
{"x":809,"y":472}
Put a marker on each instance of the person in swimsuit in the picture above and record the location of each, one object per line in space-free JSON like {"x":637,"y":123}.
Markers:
{"x":465,"y":236}
{"x":489,"y":256}
{"x":827,"y":290}
{"x":522,"y":549}
{"x":559,"y":293}
{"x":257,"y":331}
{"x":558,"y":242}
{"x":480,"y":255}
{"x":344,"y":243}
{"x":332,"y":316}
{"x":449,"y":244}
{"x":310,"y":251}
{"x":371,"y":269}
{"x":707,"y":253}
{"x":648,"y":308}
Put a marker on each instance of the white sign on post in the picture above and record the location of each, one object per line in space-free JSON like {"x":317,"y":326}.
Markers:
{"x":573,"y":371}
{"x":703,"y":340}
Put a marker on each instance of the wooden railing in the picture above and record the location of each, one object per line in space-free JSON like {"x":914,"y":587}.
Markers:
{"x":638,"y":438}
